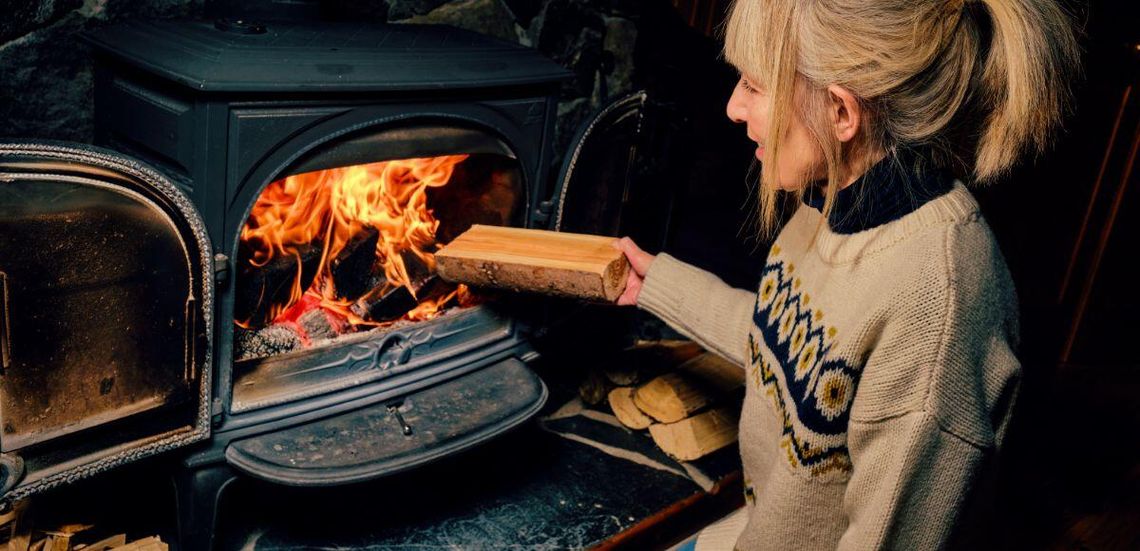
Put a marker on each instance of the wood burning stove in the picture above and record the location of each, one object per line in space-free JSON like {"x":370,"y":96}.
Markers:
{"x":247,"y":265}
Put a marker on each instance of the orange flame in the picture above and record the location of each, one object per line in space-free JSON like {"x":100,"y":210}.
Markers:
{"x":332,"y":206}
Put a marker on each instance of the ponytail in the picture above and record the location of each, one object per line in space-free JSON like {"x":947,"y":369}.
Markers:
{"x":1024,"y":85}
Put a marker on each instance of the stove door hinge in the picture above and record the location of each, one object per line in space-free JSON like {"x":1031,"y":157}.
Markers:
{"x":217,"y":412}
{"x":543,"y":212}
{"x":221,"y":269}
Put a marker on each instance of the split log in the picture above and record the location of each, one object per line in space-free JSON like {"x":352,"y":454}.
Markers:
{"x":153,"y":543}
{"x":621,"y":401}
{"x":696,"y":436}
{"x":118,"y":540}
{"x":714,"y":372}
{"x":647,"y":359}
{"x":594,"y":388}
{"x":671,"y":397}
{"x":553,"y":263}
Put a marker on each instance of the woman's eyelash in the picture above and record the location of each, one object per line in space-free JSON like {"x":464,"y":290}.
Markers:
{"x":747,"y":87}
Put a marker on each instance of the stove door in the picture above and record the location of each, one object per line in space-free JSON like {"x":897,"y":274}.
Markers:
{"x":105,"y":303}
{"x":593,"y":185}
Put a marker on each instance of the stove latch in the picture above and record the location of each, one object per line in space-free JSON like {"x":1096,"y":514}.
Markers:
{"x":394,"y":409}
{"x":221,"y":269}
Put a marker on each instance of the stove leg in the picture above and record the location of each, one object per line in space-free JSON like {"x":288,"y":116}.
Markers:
{"x":199,"y":492}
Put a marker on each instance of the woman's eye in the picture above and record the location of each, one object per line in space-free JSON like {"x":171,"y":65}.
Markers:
{"x":747,"y":86}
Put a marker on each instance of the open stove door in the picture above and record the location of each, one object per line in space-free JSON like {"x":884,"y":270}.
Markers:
{"x":105,"y":315}
{"x":606,"y":185}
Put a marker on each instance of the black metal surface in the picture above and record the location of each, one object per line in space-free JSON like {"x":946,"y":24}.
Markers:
{"x":364,"y":358}
{"x":374,"y":442}
{"x":300,"y":57}
{"x":99,"y":251}
{"x":92,"y":274}
{"x":403,"y":142}
{"x":594,"y":180}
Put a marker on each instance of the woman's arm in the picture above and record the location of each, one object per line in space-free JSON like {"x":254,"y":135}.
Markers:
{"x":694,"y":302}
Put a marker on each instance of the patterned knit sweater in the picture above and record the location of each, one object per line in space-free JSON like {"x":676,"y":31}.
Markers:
{"x":880,"y":365}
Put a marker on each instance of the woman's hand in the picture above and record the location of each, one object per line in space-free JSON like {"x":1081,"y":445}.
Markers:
{"x":640,"y":261}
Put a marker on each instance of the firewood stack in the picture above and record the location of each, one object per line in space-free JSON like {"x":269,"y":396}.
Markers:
{"x":19,"y":533}
{"x":688,"y":399}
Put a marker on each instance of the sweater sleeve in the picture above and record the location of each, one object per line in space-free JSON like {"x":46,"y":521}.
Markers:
{"x":699,"y":305}
{"x":909,"y":483}
{"x":931,"y":410}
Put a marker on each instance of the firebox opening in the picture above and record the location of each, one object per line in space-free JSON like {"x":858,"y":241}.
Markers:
{"x":337,"y":256}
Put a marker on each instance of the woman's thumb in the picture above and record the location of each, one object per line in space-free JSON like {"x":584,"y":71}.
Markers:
{"x":639,"y":259}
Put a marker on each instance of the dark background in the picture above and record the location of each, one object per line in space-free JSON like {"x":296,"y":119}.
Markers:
{"x":1066,"y":221}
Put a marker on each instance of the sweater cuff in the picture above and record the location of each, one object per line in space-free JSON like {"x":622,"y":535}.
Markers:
{"x":666,"y":286}
{"x":699,"y":305}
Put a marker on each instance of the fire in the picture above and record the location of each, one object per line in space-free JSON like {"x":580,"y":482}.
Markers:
{"x":333,"y":206}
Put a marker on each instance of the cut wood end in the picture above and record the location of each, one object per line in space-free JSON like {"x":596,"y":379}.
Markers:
{"x":546,"y":262}
{"x":670,"y":398}
{"x":622,"y":404}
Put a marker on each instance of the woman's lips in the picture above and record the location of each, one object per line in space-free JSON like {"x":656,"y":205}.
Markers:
{"x":760,"y":152}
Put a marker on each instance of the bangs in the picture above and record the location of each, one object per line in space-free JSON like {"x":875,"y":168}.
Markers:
{"x":756,"y":38}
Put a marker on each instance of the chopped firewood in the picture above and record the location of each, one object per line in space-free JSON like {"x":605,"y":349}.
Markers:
{"x":553,"y":263}
{"x":105,"y":544}
{"x":594,"y":388}
{"x":647,"y":359}
{"x":20,"y":526}
{"x":352,"y":268}
{"x":260,"y":287}
{"x":621,"y":401}
{"x":672,"y":397}
{"x":714,"y":372}
{"x":696,"y":436}
{"x":60,"y":539}
{"x":153,"y":543}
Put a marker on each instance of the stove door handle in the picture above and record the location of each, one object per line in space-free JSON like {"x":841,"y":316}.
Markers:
{"x":5,"y":337}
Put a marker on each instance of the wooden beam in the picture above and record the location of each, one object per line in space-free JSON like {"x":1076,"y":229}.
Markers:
{"x":552,"y":263}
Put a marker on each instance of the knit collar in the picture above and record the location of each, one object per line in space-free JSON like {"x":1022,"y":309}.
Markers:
{"x":895,"y":186}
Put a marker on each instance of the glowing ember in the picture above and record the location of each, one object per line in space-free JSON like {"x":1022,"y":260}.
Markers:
{"x":332,"y":207}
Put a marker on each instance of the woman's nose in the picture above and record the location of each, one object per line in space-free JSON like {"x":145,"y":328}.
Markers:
{"x":735,"y":109}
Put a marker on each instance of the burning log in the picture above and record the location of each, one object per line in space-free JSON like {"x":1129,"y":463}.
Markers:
{"x":321,"y":324}
{"x":388,"y":301}
{"x":553,"y":263}
{"x":270,"y":341}
{"x":260,"y":288}
{"x":352,"y":268}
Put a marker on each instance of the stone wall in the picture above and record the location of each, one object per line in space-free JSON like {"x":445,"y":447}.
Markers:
{"x":46,"y":70}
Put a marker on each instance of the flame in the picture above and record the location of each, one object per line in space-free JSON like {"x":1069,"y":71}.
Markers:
{"x":335,"y":205}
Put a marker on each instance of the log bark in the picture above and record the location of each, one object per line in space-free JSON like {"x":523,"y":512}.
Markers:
{"x":696,"y":436}
{"x":552,"y":263}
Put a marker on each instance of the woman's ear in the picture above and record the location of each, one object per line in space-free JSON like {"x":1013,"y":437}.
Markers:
{"x":846,"y":113}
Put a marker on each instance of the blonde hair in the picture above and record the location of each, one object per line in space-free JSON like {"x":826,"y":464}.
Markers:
{"x":921,"y":70}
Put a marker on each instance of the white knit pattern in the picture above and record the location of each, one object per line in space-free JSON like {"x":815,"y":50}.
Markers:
{"x":881,"y":374}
